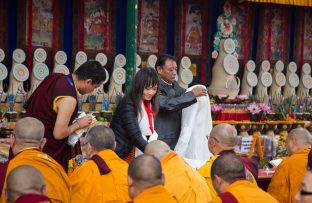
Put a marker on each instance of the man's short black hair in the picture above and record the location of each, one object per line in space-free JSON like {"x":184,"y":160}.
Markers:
{"x":162,"y":60}
{"x":91,"y":70}
{"x":229,"y":167}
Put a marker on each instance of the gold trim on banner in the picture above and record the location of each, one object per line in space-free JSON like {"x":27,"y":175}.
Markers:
{"x":286,"y":2}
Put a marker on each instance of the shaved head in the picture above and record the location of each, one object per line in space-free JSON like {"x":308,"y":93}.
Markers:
{"x":302,"y":136}
{"x":226,"y":134}
{"x":22,"y":180}
{"x":229,"y":167}
{"x":101,"y":137}
{"x":29,"y":130}
{"x":145,"y":170}
{"x":157,"y":148}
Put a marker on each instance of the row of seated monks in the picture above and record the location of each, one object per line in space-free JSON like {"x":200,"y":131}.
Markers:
{"x":159,"y":175}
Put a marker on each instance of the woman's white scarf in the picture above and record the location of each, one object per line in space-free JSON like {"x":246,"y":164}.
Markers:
{"x":145,"y":128}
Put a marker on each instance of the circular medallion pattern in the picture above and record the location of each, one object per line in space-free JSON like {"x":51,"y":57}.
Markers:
{"x":230,"y":64}
{"x":293,"y":80}
{"x":81,"y":57}
{"x":307,"y":81}
{"x":19,"y":56}
{"x":61,"y":69}
{"x":292,"y":67}
{"x":185,"y":62}
{"x":60,"y":57}
{"x":265,"y":65}
{"x":101,"y":57}
{"x":2,"y":55}
{"x":138,"y":60}
{"x":40,"y":55}
{"x":266,"y":79}
{"x":120,"y":60}
{"x":20,"y":72}
{"x":306,"y":68}
{"x":280,"y":79}
{"x":40,"y":71}
{"x":3,"y":72}
{"x":151,"y":60}
{"x":187,"y":76}
{"x":279,"y":66}
{"x":119,"y":76}
{"x":252,"y":79}
{"x":229,"y":46}
{"x":251,"y":66}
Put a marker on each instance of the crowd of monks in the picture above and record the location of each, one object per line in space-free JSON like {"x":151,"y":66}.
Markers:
{"x":159,"y":175}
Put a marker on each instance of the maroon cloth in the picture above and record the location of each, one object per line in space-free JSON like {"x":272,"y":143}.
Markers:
{"x":251,"y":165}
{"x":232,"y":116}
{"x":40,"y":106}
{"x":32,"y":198}
{"x":227,"y":197}
{"x":101,"y":164}
{"x":3,"y":171}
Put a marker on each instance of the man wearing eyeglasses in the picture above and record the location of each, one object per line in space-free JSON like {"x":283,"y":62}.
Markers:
{"x":222,"y":140}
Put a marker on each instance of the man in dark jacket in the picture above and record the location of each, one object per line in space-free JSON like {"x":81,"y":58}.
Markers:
{"x":172,"y":100}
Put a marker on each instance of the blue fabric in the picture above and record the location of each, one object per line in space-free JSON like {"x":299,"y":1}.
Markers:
{"x":121,"y":27}
{"x":12,"y":31}
{"x":170,"y":27}
{"x":68,"y":31}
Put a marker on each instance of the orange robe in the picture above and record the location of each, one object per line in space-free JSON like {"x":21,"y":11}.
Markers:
{"x":183,"y":182}
{"x":156,"y":194}
{"x":56,"y":179}
{"x":244,"y":191}
{"x":288,"y":175}
{"x":205,"y":171}
{"x":88,"y":185}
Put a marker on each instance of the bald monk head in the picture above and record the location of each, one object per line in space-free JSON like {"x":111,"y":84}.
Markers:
{"x":225,"y":170}
{"x":99,"y":138}
{"x":298,"y":139}
{"x":157,"y":148}
{"x":27,"y":132}
{"x":222,"y":137}
{"x":144,"y":172}
{"x":23,"y":180}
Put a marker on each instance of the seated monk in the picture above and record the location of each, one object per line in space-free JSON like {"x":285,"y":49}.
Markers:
{"x":229,"y":180}
{"x":146,"y":181}
{"x":304,"y":193}
{"x":182,"y":181}
{"x":103,"y":178}
{"x":25,"y":184}
{"x":27,"y":142}
{"x":223,"y":139}
{"x":286,"y":179}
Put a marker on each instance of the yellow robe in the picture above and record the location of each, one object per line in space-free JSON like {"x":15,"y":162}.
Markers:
{"x":88,"y":185}
{"x":56,"y":179}
{"x":183,"y":182}
{"x":246,"y":192}
{"x":156,"y":194}
{"x":288,"y":175}
{"x":205,"y":171}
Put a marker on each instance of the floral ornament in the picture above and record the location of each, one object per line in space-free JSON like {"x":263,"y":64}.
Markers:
{"x":226,"y":28}
{"x":265,"y":108}
{"x":216,"y":108}
{"x":254,"y":108}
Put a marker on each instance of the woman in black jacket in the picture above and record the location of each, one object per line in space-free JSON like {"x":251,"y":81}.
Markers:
{"x":133,"y":122}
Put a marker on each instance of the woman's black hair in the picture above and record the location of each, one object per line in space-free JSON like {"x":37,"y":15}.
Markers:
{"x":146,"y":77}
